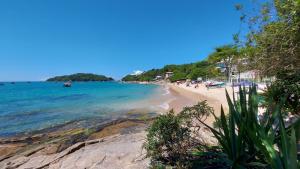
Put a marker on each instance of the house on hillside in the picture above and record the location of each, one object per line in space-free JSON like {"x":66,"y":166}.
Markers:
{"x":251,"y":75}
{"x":168,"y":75}
{"x":235,"y":75}
{"x":221,"y":66}
{"x":157,"y":78}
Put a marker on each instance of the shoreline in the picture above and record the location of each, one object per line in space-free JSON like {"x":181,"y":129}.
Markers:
{"x":123,"y":135}
{"x":175,"y":97}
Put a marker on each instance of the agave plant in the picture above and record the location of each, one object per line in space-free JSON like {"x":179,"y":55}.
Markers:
{"x":251,"y":143}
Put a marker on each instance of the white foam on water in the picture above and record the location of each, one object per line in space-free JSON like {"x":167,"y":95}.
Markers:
{"x":167,"y":91}
{"x":165,"y":106}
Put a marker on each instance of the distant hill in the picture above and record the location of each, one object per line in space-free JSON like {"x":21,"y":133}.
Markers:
{"x":81,"y":77}
{"x":183,"y":71}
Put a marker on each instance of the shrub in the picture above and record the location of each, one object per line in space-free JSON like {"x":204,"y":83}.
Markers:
{"x":168,"y":141}
{"x":197,"y":114}
{"x":171,"y":138}
{"x":248,"y":143}
{"x":287,"y":85}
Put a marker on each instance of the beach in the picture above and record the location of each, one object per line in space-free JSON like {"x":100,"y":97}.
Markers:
{"x":188,"y":96}
{"x":117,"y":144}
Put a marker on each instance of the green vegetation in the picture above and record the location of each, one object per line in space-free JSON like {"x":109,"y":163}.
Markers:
{"x":81,"y":77}
{"x":202,"y":69}
{"x":228,"y":55}
{"x":248,"y":142}
{"x":244,"y":141}
{"x":286,"y":85}
{"x":273,"y":42}
{"x":171,"y":138}
{"x":167,"y":141}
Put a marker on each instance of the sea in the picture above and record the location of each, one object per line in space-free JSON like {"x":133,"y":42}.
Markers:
{"x":31,"y":106}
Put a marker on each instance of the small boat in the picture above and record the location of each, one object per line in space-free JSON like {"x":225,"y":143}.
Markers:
{"x":68,"y":84}
{"x":214,"y":84}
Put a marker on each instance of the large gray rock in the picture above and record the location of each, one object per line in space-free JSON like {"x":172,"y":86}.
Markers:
{"x":115,"y":152}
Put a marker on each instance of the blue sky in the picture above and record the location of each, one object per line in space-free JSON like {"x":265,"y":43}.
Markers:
{"x":44,"y":38}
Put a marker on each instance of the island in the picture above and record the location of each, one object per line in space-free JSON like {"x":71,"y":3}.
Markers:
{"x":80,"y":77}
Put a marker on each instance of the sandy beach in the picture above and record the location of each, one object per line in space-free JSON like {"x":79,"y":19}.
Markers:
{"x":188,"y":96}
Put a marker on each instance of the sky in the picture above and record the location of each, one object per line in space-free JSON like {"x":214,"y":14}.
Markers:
{"x":44,"y":38}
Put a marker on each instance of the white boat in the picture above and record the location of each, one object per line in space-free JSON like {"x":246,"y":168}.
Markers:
{"x":214,"y":84}
{"x":68,"y":84}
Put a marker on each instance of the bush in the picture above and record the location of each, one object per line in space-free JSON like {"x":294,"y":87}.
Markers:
{"x":171,"y":138}
{"x":168,"y":141}
{"x":197,"y":114}
{"x":249,"y":143}
{"x":287,"y":85}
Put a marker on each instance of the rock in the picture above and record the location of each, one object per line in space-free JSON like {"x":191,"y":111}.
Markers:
{"x":15,"y":163}
{"x":116,"y":152}
{"x":7,"y":150}
{"x":50,"y":149}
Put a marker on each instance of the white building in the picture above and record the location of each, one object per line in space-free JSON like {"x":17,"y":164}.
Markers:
{"x":158,"y":78}
{"x":168,"y":75}
{"x":235,"y":75}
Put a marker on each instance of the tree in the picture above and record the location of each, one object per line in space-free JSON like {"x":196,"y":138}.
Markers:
{"x":178,"y":75}
{"x":275,"y":36}
{"x":81,"y":77}
{"x":226,"y":55}
{"x":183,"y":71}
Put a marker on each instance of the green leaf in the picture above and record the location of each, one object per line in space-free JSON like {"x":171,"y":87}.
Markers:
{"x":256,"y":164}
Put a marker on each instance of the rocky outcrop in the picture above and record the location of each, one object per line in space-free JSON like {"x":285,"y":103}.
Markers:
{"x":118,"y":152}
{"x":118,"y":145}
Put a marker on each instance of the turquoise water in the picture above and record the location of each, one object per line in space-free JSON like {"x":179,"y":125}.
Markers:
{"x":26,"y":107}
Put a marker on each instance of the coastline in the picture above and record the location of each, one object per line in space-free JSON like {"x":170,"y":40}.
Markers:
{"x":33,"y":149}
{"x":121,"y":136}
